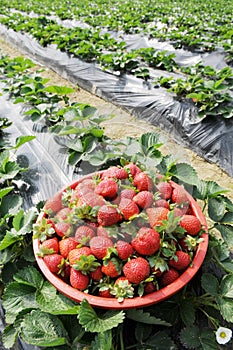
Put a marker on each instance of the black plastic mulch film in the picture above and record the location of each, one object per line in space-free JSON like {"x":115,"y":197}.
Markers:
{"x":211,"y":137}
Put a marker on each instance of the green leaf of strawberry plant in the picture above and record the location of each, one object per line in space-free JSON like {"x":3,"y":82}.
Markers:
{"x":187,"y":312}
{"x":59,"y":90}
{"x":184,"y":172}
{"x":210,"y":284}
{"x":226,"y":308}
{"x":18,"y":297}
{"x":22,"y":222}
{"x":226,"y":233}
{"x":142,"y":331}
{"x":89,"y":319}
{"x":208,"y":189}
{"x":159,"y":341}
{"x":29,"y":276}
{"x":226,"y":287}
{"x":102,"y":340}
{"x":42,"y":329}
{"x":22,"y":140}
{"x":5,"y":191}
{"x":10,"y":205}
{"x":52,"y":302}
{"x":216,"y":209}
{"x":9,"y":336}
{"x":145,"y":317}
{"x":200,"y":339}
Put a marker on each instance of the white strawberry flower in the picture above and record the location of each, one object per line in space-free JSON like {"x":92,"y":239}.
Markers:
{"x":223,"y":335}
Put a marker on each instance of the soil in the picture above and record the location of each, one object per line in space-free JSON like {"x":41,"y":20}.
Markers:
{"x":123,"y":124}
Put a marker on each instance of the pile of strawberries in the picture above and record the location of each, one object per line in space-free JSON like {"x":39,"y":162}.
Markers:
{"x":120,"y":233}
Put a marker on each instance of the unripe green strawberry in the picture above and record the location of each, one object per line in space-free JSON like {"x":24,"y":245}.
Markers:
{"x":191,"y":224}
{"x":78,"y":280}
{"x":147,"y":241}
{"x":136,"y":270}
{"x":180,"y":261}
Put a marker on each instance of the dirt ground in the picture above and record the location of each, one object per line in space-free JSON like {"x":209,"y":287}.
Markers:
{"x":123,"y":124}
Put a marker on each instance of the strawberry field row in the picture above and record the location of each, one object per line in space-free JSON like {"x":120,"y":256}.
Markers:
{"x":32,"y":306}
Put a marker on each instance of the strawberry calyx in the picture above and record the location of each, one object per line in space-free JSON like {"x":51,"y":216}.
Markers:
{"x":86,"y":264}
{"x":43,"y":229}
{"x":122,"y":289}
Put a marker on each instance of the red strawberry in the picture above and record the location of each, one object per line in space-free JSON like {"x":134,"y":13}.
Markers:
{"x":128,"y":208}
{"x":191,"y":224}
{"x":122,"y":289}
{"x":101,"y":231}
{"x":143,"y":182}
{"x":84,"y":187}
{"x":124,"y":249}
{"x":66,"y":245}
{"x":127,"y":193}
{"x":63,"y":214}
{"x":162,"y":203}
{"x":165,"y":189}
{"x":75,"y":254}
{"x":136,"y":270}
{"x":108,"y":215}
{"x":99,"y":246}
{"x":168,"y":277}
{"x":107,"y":188}
{"x":54,"y":204}
{"x":55,"y":262}
{"x":84,"y":233}
{"x":189,"y":243}
{"x":181,"y":260}
{"x":78,"y":280}
{"x":111,"y":268}
{"x":132,"y":168}
{"x":179,"y":196}
{"x":149,"y":288}
{"x":105,"y":293}
{"x":179,"y":212}
{"x":147,"y":241}
{"x":143,"y":199}
{"x":92,"y":199}
{"x":97,"y":274}
{"x":115,"y":172}
{"x":157,"y":215}
{"x":63,"y":229}
{"x":49,"y":246}
{"x":65,"y":274}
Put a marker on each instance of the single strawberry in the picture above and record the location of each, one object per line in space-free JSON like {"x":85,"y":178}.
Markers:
{"x":43,"y":229}
{"x":127,"y":193}
{"x":49,"y":246}
{"x":168,"y":277}
{"x":75,"y":254}
{"x":84,"y":187}
{"x":180,"y":261}
{"x":132,"y":169}
{"x":143,"y":182}
{"x":178,"y":212}
{"x":63,"y":214}
{"x":105,"y":293}
{"x":149,"y":287}
{"x":147,"y":241}
{"x":91,"y":199}
{"x":191,"y":224}
{"x":165,"y":190}
{"x":78,"y":280}
{"x":108,"y":215}
{"x":54,"y":204}
{"x":66,"y":245}
{"x":124,"y":249}
{"x":99,"y":246}
{"x":136,"y":270}
{"x":115,"y":172}
{"x":189,"y":243}
{"x":156,"y":216}
{"x":179,"y":196}
{"x":97,"y":274}
{"x":63,"y":229}
{"x":143,"y":199}
{"x":107,"y":188}
{"x":101,"y":231}
{"x":111,"y":268}
{"x":55,"y":262}
{"x":64,"y":274}
{"x":84,"y":233}
{"x":162,"y":203}
{"x":128,"y":208}
{"x":86,"y":264}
